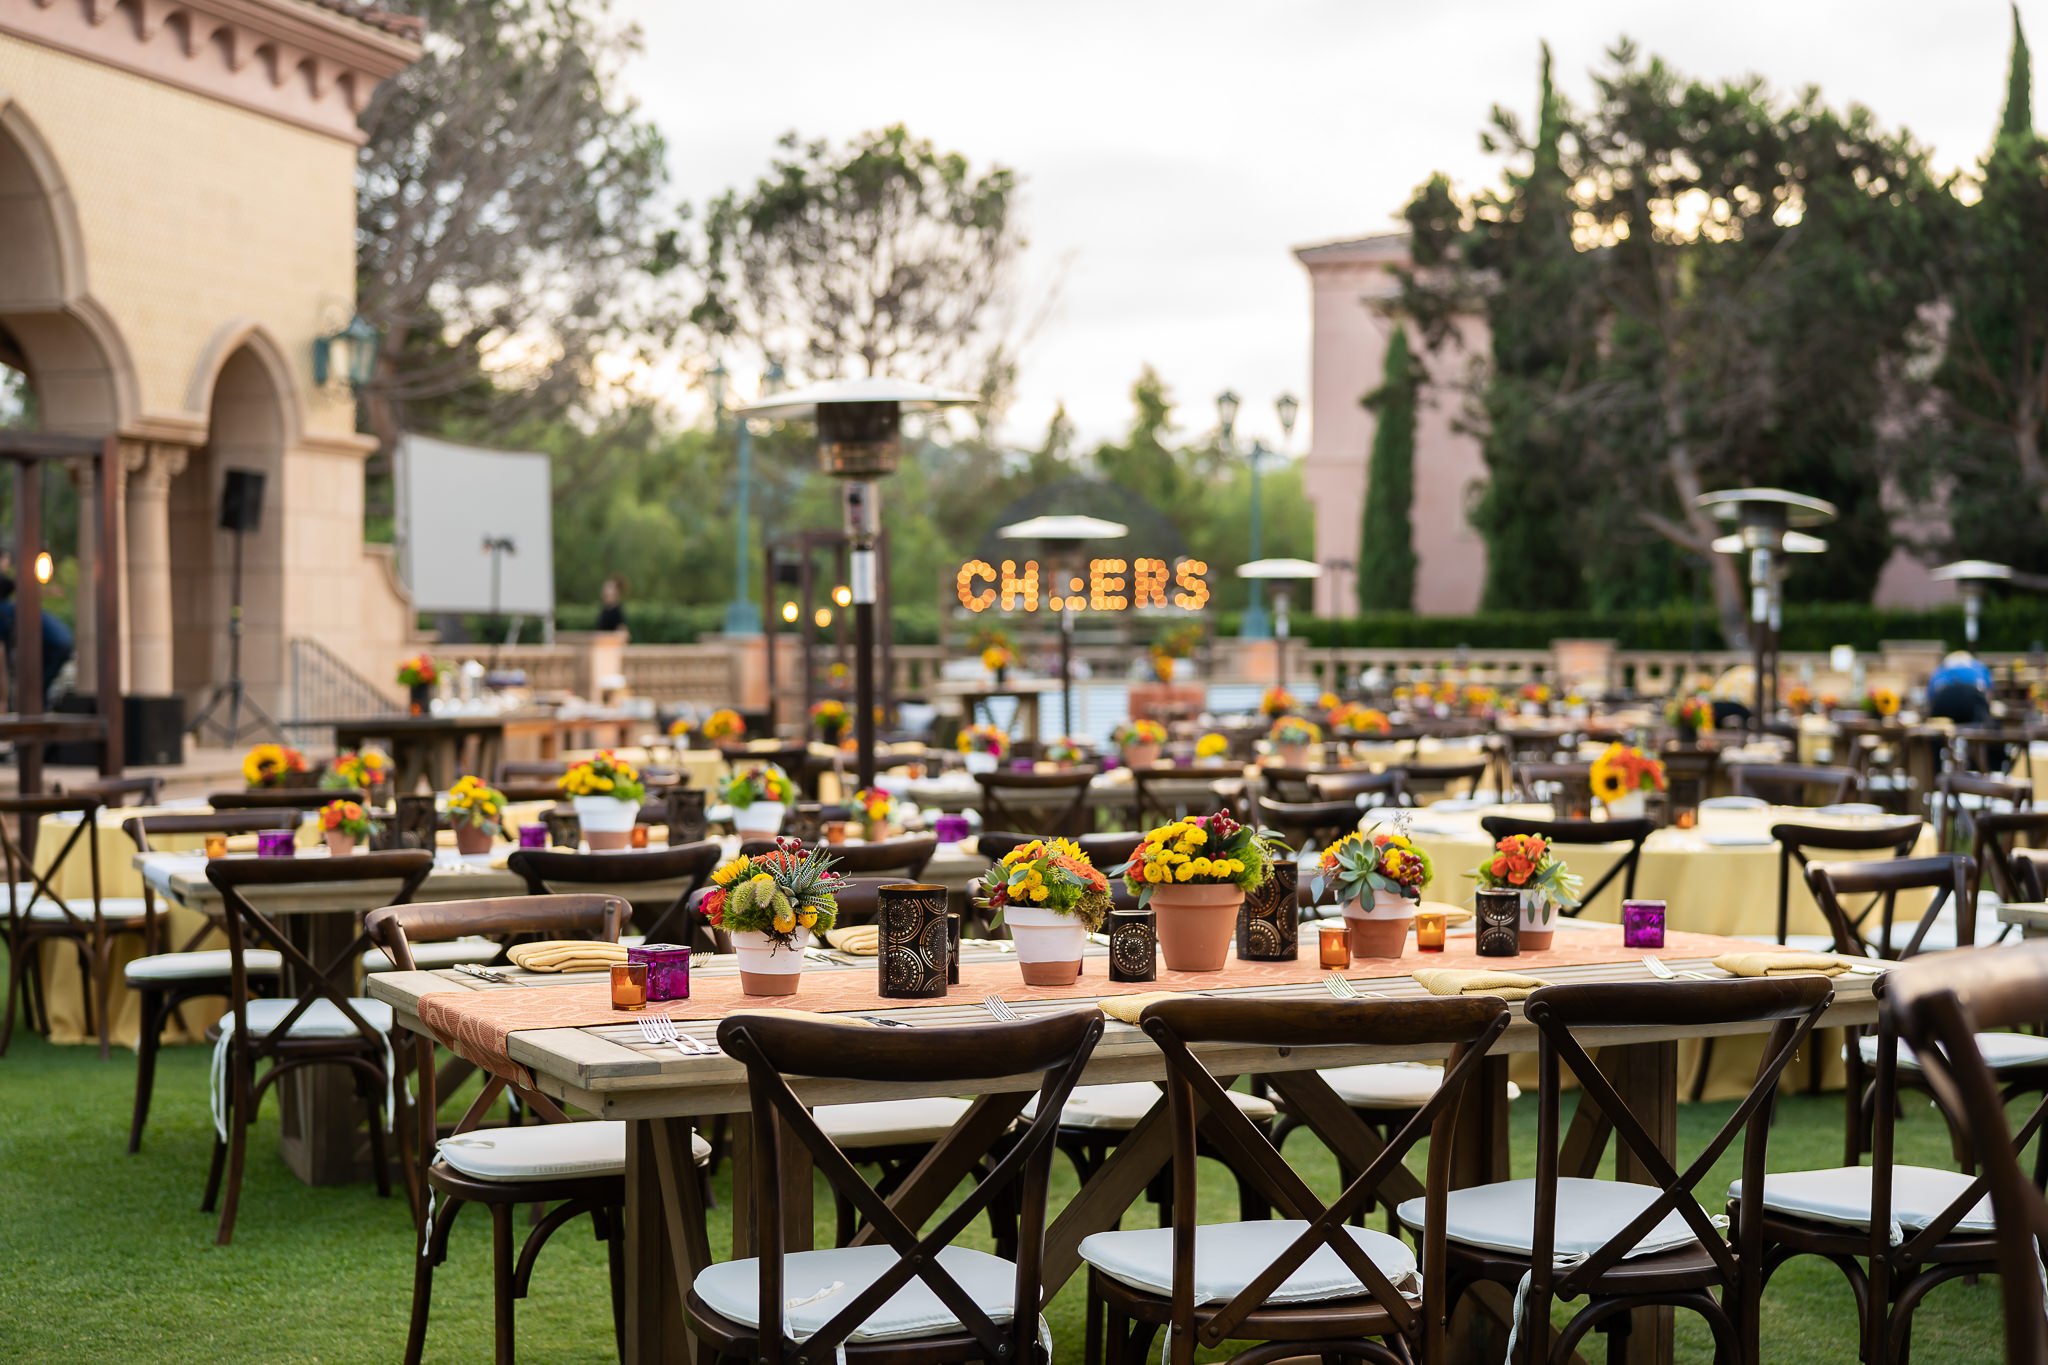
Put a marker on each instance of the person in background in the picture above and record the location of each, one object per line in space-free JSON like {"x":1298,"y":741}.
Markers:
{"x":611,"y":611}
{"x":58,"y":645}
{"x":1960,"y":690}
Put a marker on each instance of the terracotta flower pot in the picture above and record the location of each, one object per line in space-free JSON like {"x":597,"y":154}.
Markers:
{"x":1292,"y":755}
{"x":1380,"y":929}
{"x":1195,"y":924}
{"x":1141,"y":755}
{"x":338,"y":844}
{"x":1049,"y":944}
{"x":472,"y":840}
{"x":769,"y":967}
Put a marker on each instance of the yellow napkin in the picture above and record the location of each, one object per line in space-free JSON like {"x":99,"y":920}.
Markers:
{"x":862,"y":940}
{"x":1128,"y":1007}
{"x":567,"y":955}
{"x":1451,"y":981}
{"x":1781,"y":964}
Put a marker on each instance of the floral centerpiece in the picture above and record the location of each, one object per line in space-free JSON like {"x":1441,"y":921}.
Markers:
{"x":1622,"y":778}
{"x":1052,"y":897}
{"x":1525,"y":866}
{"x":1277,"y":702}
{"x":1139,"y":742}
{"x":417,"y":676}
{"x":1378,"y":875}
{"x":1535,"y":694}
{"x":1690,"y":716}
{"x":476,"y":812}
{"x":1174,"y":644}
{"x":1065,"y":751}
{"x":1480,"y":700}
{"x":679,"y":731}
{"x":271,"y":765}
{"x":997,"y":660}
{"x":1351,"y":718}
{"x":871,"y":805}
{"x":724,"y":726}
{"x":1798,"y":699}
{"x":1292,"y":738}
{"x":984,"y":746}
{"x":758,"y":793}
{"x":1882,"y":702}
{"x":1194,"y":873}
{"x":607,"y":793}
{"x":770,"y":904}
{"x":364,"y":770}
{"x":831,"y":720}
{"x":1211,"y":748}
{"x":342,"y":825}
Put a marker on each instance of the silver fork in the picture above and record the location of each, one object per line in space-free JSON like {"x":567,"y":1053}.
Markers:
{"x":1000,"y":1008}
{"x":1339,"y":987}
{"x":659,"y":1028}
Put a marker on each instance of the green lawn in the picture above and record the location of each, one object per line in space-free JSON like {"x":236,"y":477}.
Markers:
{"x":104,"y":1256}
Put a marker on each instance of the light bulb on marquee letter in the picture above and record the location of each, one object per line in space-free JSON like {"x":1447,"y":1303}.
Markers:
{"x":1194,"y":591}
{"x":963,"y":583}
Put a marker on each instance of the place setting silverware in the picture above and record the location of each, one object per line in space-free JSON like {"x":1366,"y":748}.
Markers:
{"x":657,"y":1029}
{"x":494,"y":977}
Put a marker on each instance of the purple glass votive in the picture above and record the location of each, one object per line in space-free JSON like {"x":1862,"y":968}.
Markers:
{"x":275,"y":843}
{"x":533,"y":836}
{"x":950,"y":829}
{"x":1023,"y":765}
{"x":1642,"y":924}
{"x":668,"y":969}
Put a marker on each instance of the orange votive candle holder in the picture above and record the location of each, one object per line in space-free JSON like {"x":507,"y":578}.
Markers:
{"x":1335,"y":946}
{"x":629,"y":985}
{"x":1429,"y":930}
{"x":216,"y":845}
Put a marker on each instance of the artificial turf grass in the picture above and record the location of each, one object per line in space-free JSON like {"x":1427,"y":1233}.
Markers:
{"x":106,"y":1256}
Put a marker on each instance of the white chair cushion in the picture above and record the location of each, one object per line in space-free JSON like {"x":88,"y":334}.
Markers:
{"x":887,"y":1123}
{"x":2001,"y":1051}
{"x":1391,"y":1085}
{"x":816,"y":1285}
{"x":1117,"y":1108}
{"x":1841,"y":1195}
{"x":547,"y":1151}
{"x":47,"y":911}
{"x":429,"y":957}
{"x":1502,"y":1217}
{"x":1941,"y":935}
{"x":322,"y":1019}
{"x":212,"y":962}
{"x":1229,"y":1255}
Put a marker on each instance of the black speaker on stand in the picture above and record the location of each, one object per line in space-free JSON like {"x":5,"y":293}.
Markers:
{"x":241,"y":512}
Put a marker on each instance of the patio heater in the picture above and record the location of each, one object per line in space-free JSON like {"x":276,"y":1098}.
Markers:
{"x":1280,"y":573}
{"x":1059,"y":540}
{"x":1768,"y":525}
{"x":1972,"y":578}
{"x":860,"y":441}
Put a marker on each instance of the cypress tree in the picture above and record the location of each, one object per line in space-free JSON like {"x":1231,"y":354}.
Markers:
{"x":1386,"y":555}
{"x":2019,"y":86}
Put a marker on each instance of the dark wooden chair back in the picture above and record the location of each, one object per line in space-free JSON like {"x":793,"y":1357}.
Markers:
{"x":140,"y":828}
{"x":1300,"y":822}
{"x":529,"y":790}
{"x":1160,"y":796}
{"x":994,"y":844}
{"x":2030,"y":873}
{"x":1566,"y":784}
{"x":1466,"y":1027}
{"x":118,"y":791}
{"x":285,"y":798}
{"x":1995,"y":836}
{"x":903,"y":857}
{"x":588,"y":915}
{"x":1688,"y":773}
{"x":686,"y":867}
{"x":1007,"y":801}
{"x":23,"y":867}
{"x":1938,"y":1006}
{"x":1944,"y":878}
{"x":1584,"y":832}
{"x":1795,"y":784}
{"x":1390,"y":786}
{"x":1950,"y":788}
{"x":531,"y":771}
{"x":1797,"y":843}
{"x":1056,"y":1046}
{"x":1283,"y":783}
{"x":1449,"y":779}
{"x":1792,"y":1005}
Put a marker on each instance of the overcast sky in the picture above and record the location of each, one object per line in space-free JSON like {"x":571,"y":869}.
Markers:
{"x":1173,"y":153}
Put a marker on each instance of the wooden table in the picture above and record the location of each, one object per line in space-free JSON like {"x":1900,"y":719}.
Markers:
{"x":2031,"y":917}
{"x":430,"y":747}
{"x":976,"y":696}
{"x":608,"y":1071}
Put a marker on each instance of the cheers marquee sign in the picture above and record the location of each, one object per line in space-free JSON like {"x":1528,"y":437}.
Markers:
{"x":1110,"y":585}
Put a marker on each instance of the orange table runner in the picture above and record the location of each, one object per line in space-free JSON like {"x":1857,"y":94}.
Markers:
{"x":478,"y":1024}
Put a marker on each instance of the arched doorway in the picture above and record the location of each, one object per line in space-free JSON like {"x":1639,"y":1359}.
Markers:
{"x":248,"y":428}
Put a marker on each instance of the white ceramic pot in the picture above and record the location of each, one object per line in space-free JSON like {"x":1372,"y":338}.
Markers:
{"x":1539,"y":922}
{"x":763,"y":819}
{"x":769,"y":966}
{"x":978,"y":762}
{"x":1049,"y":944}
{"x":1629,"y":807}
{"x":607,"y":822}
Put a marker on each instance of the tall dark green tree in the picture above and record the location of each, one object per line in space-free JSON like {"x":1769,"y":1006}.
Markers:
{"x":1386,"y":552}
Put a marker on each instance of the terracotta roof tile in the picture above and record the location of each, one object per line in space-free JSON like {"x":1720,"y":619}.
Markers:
{"x":398,"y":25}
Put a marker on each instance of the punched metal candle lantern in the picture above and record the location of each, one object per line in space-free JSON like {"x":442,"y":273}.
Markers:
{"x":1642,"y":924}
{"x":1133,"y":946}
{"x":952,"y":950}
{"x":686,"y":821}
{"x":1499,"y":932}
{"x":913,"y":948}
{"x":1268,"y":925}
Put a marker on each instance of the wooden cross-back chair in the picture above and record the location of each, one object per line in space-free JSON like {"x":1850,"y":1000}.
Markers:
{"x":1798,"y":843}
{"x":1569,"y":784}
{"x":2030,"y":873}
{"x":262,"y":1039}
{"x":904,"y":857}
{"x":1300,"y":822}
{"x":509,"y":1170}
{"x":1006,"y":801}
{"x":38,"y":915}
{"x":1160,"y":796}
{"x":1795,"y":784}
{"x":305,"y":799}
{"x":1419,"y":780}
{"x":1629,"y":1245}
{"x":1961,"y":798}
{"x":117,"y":791}
{"x":1941,"y":1007}
{"x":164,"y":980}
{"x":1995,"y":838}
{"x":1257,"y":1257}
{"x":1284,"y":783}
{"x":1584,"y":833}
{"x":686,"y":867}
{"x":1390,"y":786}
{"x":827,"y":1304}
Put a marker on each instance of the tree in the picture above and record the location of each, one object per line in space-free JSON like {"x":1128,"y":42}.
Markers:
{"x":884,"y":257}
{"x":505,"y":232}
{"x":1386,"y":555}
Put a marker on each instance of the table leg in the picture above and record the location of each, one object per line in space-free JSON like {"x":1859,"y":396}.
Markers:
{"x":665,"y":1239}
{"x":799,"y":1213}
{"x":1121,"y":1181}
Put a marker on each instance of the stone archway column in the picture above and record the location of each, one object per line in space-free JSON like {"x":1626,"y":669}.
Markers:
{"x":149,"y":566}
{"x":88,"y":622}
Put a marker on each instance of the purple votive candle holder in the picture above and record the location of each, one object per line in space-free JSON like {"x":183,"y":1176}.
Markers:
{"x":533,"y":836}
{"x":668,"y":969}
{"x":275,"y":843}
{"x":950,"y":829}
{"x":1642,"y":924}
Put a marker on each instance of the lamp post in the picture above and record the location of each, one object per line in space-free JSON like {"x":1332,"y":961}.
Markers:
{"x":1769,"y":521}
{"x":1280,"y":572}
{"x":1056,"y":535}
{"x":860,"y":441}
{"x":1256,"y":625}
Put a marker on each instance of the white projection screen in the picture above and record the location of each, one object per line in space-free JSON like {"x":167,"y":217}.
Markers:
{"x":451,"y":500}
